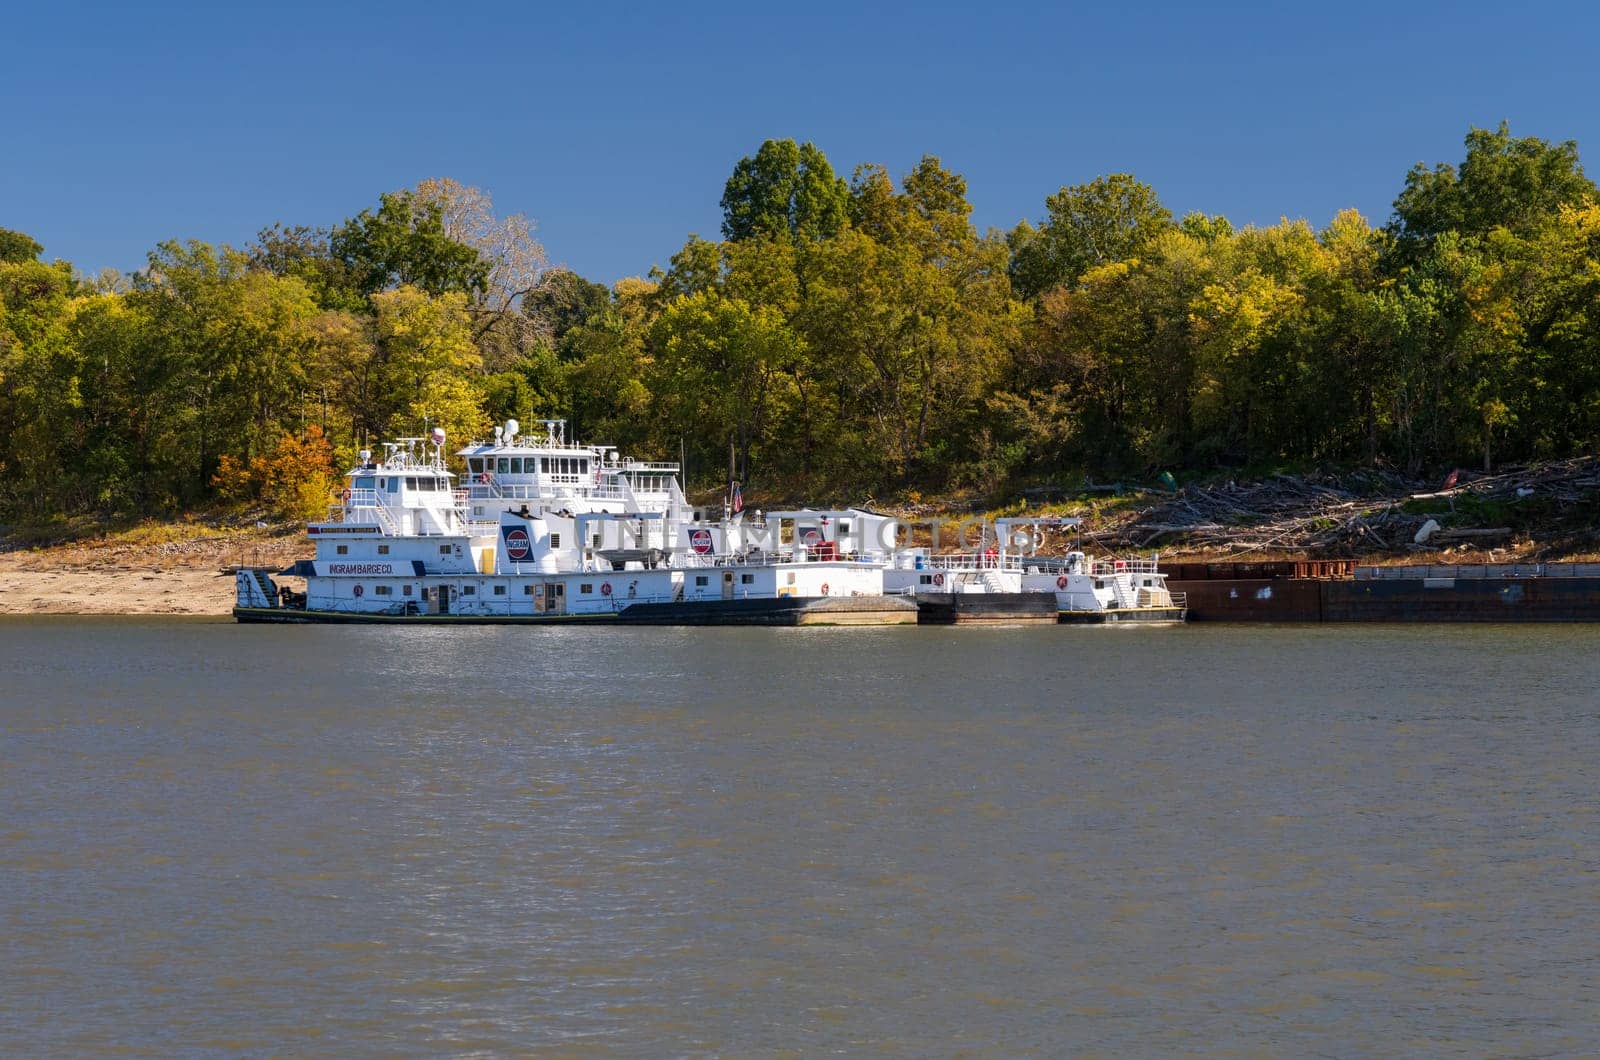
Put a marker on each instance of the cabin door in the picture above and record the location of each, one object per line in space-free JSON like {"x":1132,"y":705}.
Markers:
{"x":556,"y":597}
{"x":727,"y":585}
{"x":444,"y":599}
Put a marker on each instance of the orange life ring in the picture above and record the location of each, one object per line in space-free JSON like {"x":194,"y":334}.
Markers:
{"x":605,"y":588}
{"x":1061,"y":581}
{"x":938,"y":579}
{"x":824,"y":588}
{"x":1119,"y":566}
{"x":344,"y":495}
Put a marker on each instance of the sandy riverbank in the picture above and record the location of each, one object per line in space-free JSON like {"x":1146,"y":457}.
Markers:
{"x":119,"y":577}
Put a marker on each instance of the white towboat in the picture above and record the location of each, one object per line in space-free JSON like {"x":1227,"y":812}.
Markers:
{"x":1085,"y":589}
{"x":544,"y":530}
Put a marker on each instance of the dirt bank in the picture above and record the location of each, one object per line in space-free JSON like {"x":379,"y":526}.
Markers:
{"x":137,"y":574}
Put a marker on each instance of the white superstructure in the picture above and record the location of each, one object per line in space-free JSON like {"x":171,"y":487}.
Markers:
{"x":1010,"y":563}
{"x":541,"y":527}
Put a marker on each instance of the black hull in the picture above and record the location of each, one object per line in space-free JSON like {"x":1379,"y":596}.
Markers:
{"x":784,"y":611}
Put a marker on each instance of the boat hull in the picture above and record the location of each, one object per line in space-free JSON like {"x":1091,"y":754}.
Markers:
{"x":1166,"y":616}
{"x":783,"y":611}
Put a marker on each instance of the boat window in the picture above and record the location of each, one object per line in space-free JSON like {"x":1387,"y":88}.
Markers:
{"x":383,"y":550}
{"x":504,"y":466}
{"x":411,"y":483}
{"x":444,"y":550}
{"x":499,"y":590}
{"x":700,"y":579}
{"x":555,"y":540}
{"x":544,"y":464}
{"x":475,"y":465}
{"x":469,"y":590}
{"x":516,"y":465}
{"x":343,"y":550}
{"x":406,"y":589}
{"x":586,"y":587}
{"x":747,"y":579}
{"x":382,"y":590}
{"x":583,"y":467}
{"x":527,"y":590}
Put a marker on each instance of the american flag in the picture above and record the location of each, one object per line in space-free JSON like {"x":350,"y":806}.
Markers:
{"x":736,"y":499}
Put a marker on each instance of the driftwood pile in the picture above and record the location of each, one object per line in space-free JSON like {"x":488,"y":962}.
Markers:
{"x":1353,"y":514}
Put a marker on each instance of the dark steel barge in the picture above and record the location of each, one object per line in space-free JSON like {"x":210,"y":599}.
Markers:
{"x":1339,"y":591}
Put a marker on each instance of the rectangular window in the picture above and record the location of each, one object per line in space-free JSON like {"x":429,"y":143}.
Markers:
{"x":444,"y":550}
{"x":382,"y":590}
{"x":747,"y":579}
{"x":527,"y":590}
{"x":791,"y":577}
{"x":474,"y":465}
{"x":343,"y":550}
{"x":926,"y":579}
{"x":411,"y":483}
{"x":544,"y":464}
{"x":504,"y":465}
{"x":583,"y":467}
{"x":555,"y":540}
{"x":383,"y":550}
{"x":499,"y":590}
{"x":469,"y":590}
{"x":699,"y":580}
{"x":406,"y":590}
{"x":586,"y":587}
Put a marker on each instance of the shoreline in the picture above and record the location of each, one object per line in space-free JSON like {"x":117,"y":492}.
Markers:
{"x":119,"y":576}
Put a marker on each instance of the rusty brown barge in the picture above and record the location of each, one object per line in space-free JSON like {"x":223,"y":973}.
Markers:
{"x":1340,"y":591}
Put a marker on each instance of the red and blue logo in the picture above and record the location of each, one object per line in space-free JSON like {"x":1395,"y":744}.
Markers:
{"x":700,"y":540}
{"x":517,"y":546}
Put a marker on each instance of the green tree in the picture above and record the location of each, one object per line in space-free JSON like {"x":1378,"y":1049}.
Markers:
{"x":17,"y":247}
{"x":1109,"y":219}
{"x":404,"y":243}
{"x":1511,"y":182}
{"x":720,"y":365}
{"x":784,"y":189}
{"x":562,"y":301}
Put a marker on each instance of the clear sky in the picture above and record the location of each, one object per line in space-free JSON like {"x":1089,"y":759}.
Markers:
{"x":615,"y":126}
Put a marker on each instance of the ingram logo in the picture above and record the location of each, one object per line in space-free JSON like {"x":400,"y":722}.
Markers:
{"x":517,"y":546}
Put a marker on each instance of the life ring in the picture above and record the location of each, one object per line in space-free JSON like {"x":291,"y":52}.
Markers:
{"x":824,"y":588}
{"x":358,"y":590}
{"x":344,"y":495}
{"x":1119,"y":566}
{"x":605,"y":588}
{"x":483,"y":477}
{"x":1061,"y":581}
{"x":938,"y":579}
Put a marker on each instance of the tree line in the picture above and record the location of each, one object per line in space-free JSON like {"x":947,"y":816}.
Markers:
{"x":844,"y":336}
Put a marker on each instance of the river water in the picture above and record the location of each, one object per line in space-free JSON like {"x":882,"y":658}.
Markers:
{"x":655,"y":842}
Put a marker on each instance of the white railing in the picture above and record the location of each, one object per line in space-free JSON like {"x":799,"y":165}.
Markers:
{"x":1125,"y":566}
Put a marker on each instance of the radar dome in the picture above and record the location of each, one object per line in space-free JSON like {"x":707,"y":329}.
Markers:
{"x":438,"y":436}
{"x":512,"y":427}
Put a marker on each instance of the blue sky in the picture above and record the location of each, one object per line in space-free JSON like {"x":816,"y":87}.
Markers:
{"x":615,"y":127}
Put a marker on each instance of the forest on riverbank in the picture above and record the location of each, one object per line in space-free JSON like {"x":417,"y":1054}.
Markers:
{"x":845,"y":338}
